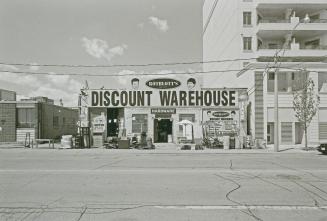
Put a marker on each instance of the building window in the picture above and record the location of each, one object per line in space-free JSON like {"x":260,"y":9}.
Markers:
{"x":55,"y":121}
{"x":246,"y":18}
{"x":271,"y":76}
{"x":139,"y":123}
{"x":26,"y":118}
{"x":247,"y":43}
{"x":312,"y":44}
{"x":189,"y":117}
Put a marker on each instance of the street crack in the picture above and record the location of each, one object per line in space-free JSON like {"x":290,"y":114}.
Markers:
{"x":238,"y":186}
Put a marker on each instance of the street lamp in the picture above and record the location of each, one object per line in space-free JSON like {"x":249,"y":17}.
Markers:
{"x":276,"y":117}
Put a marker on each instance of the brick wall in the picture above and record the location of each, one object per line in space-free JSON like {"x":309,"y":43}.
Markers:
{"x":7,"y":95}
{"x":8,"y":122}
{"x":67,"y":121}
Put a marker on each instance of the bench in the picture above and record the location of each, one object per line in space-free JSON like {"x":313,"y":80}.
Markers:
{"x":50,"y":141}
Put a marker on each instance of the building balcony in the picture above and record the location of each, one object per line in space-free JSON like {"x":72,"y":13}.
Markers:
{"x":294,"y":51}
{"x":277,"y":24}
{"x":299,"y":15}
{"x":299,"y":43}
{"x":261,"y":3}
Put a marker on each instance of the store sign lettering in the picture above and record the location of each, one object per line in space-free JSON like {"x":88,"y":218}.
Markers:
{"x":163,"y":111}
{"x":163,"y":98}
{"x":163,"y":83}
{"x":220,"y":114}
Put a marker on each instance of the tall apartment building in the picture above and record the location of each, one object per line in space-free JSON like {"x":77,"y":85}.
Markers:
{"x":255,"y":31}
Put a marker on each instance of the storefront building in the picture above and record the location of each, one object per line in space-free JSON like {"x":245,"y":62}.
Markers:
{"x":168,"y":110}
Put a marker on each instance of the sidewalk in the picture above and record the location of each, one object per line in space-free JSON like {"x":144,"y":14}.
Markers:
{"x":175,"y":148}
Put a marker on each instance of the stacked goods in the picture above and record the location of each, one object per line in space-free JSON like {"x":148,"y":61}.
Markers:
{"x":66,"y":141}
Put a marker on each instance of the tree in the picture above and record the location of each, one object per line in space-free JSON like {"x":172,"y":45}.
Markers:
{"x":305,"y":103}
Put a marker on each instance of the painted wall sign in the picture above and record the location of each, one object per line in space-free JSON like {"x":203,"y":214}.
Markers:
{"x":98,"y":124}
{"x":163,"y":98}
{"x":163,"y":83}
{"x":220,"y":114}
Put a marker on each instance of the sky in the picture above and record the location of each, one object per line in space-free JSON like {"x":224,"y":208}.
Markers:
{"x":94,"y":32}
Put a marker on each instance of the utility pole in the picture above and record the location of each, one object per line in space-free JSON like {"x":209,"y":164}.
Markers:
{"x":276,"y":117}
{"x":276,"y":58}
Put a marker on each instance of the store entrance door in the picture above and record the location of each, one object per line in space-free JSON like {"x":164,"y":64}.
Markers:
{"x":112,"y":122}
{"x":163,"y":130}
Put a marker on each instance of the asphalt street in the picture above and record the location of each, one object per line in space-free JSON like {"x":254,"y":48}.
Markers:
{"x":130,"y":185}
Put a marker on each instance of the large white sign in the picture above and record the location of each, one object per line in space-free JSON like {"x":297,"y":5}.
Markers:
{"x":163,"y":98}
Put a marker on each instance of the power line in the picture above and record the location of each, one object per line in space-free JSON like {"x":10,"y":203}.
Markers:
{"x":125,"y":65}
{"x":133,"y":74}
{"x":210,"y":15}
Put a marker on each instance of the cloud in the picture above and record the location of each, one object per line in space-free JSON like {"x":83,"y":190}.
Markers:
{"x":140,"y":25}
{"x":69,"y":99}
{"x":19,"y":79}
{"x":160,"y":24}
{"x":58,"y":87}
{"x":34,"y":67}
{"x":125,"y":76}
{"x":100,"y":49}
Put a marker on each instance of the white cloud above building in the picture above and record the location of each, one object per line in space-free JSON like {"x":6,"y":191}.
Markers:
{"x":99,"y":48}
{"x":160,"y":24}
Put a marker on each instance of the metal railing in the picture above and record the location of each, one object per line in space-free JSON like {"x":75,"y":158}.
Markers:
{"x":314,"y":47}
{"x":266,"y":47}
{"x":307,"y":47}
{"x":278,"y":20}
{"x":273,"y":20}
{"x":315,"y":21}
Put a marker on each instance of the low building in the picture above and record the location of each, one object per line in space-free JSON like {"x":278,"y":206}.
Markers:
{"x":37,"y":119}
{"x":159,"y":106}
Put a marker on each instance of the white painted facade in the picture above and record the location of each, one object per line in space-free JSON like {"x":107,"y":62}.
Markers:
{"x":276,"y":26}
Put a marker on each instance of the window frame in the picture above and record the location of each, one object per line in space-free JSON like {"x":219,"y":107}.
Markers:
{"x":247,"y":43}
{"x":26,"y":117}
{"x":143,"y":127}
{"x":247,"y":18}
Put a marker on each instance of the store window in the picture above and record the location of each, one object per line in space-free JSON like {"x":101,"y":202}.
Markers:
{"x":139,"y":123}
{"x":246,"y":18}
{"x":26,"y":118}
{"x":189,"y":117}
{"x":287,"y":81}
{"x":270,"y":83}
{"x":247,"y":43}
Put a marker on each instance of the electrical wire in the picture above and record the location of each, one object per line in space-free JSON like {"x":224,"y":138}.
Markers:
{"x":134,"y":74}
{"x":210,"y":15}
{"x":125,"y":65}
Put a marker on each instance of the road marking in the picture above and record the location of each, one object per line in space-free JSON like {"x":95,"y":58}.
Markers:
{"x":160,"y":169}
{"x":241,"y":207}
